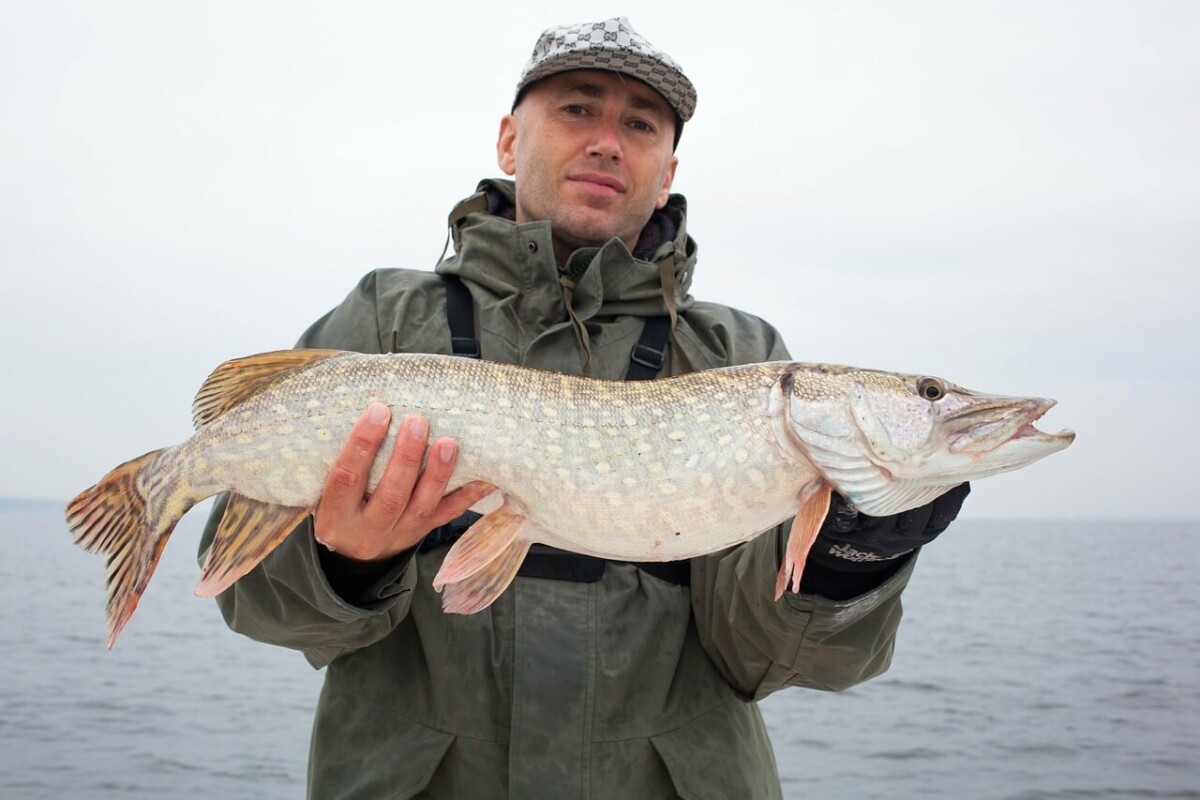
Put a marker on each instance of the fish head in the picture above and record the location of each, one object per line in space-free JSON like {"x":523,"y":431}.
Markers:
{"x":889,"y":442}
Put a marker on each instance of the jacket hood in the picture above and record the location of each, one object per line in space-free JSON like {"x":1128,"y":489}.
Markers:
{"x":508,"y":258}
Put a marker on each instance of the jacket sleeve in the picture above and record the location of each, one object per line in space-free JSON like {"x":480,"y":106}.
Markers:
{"x":761,"y":645}
{"x":286,"y":600}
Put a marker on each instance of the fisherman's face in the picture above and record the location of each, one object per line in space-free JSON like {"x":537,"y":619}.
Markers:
{"x":591,"y":151}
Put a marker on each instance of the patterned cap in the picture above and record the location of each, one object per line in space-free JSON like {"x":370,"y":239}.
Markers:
{"x":615,"y":46}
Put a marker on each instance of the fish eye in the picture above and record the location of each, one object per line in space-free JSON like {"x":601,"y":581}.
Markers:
{"x":931,"y":389}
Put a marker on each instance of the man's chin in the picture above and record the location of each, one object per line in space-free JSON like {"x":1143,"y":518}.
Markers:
{"x":592,"y":232}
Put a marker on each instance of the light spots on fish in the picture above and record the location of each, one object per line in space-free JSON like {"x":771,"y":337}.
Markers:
{"x":603,"y":467}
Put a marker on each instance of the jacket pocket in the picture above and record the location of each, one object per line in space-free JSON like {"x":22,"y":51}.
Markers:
{"x":363,"y":750}
{"x":722,"y":754}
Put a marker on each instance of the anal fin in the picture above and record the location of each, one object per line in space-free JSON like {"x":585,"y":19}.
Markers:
{"x":249,"y":531}
{"x":814,"y":505}
{"x":483,"y":562}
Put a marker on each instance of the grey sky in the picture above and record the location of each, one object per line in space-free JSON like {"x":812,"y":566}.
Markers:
{"x":1004,"y":194}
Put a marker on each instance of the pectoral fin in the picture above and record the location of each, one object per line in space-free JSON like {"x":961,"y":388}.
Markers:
{"x":483,"y":562}
{"x":249,"y":531}
{"x":814,"y":505}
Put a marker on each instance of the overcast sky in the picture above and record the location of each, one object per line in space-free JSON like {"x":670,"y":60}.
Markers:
{"x":1005,"y":194}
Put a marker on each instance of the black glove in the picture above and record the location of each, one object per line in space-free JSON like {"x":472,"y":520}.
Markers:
{"x":853,"y":542}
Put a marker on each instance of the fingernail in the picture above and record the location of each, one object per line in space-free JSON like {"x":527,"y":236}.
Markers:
{"x":377,"y":413}
{"x":446,"y":452}
{"x":416,"y":429}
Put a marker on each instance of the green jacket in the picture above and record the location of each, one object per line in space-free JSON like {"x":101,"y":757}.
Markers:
{"x":627,"y":687}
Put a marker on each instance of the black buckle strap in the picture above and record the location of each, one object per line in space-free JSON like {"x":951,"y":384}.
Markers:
{"x":553,"y":564}
{"x":465,"y":347}
{"x":460,"y":313}
{"x":650,"y":353}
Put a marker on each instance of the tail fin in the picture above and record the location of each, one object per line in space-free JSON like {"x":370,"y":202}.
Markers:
{"x":110,"y":519}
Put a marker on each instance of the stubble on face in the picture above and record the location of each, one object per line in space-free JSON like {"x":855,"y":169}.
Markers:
{"x":591,"y":152}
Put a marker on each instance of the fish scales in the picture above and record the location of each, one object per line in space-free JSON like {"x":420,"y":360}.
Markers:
{"x":642,"y":461}
{"x":642,"y":471}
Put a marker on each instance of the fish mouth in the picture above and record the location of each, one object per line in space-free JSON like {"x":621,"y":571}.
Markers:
{"x":993,"y":423}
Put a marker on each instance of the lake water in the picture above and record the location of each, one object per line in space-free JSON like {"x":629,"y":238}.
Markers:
{"x":1036,"y":660}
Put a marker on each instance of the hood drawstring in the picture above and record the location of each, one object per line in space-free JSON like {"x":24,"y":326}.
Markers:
{"x":585,"y":342}
{"x":666,"y":276}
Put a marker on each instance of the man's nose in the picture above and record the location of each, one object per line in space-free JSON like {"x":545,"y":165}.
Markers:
{"x":606,"y":139}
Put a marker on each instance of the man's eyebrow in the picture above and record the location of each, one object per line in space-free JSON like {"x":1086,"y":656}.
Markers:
{"x":585,"y":89}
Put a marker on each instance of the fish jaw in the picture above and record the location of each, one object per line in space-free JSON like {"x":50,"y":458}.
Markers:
{"x":998,"y":435}
{"x":976,"y":435}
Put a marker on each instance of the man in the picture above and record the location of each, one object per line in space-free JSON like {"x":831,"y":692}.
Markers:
{"x":586,"y":678}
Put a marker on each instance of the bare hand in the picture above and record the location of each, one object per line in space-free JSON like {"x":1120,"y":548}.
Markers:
{"x":406,"y":505}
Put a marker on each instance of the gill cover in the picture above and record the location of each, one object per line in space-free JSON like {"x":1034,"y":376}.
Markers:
{"x":858,"y":427}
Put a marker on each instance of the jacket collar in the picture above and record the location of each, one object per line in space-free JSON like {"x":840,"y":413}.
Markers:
{"x":508,"y":259}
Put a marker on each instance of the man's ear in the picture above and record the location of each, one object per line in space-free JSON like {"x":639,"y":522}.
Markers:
{"x":506,"y":145}
{"x":668,"y":179}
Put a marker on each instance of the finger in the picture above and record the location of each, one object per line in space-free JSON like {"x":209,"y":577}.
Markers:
{"x":431,"y":486}
{"x":460,"y":500}
{"x":392,"y":495}
{"x":347,"y":480}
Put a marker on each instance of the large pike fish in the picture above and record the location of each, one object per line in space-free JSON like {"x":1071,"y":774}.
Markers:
{"x":639,"y":471}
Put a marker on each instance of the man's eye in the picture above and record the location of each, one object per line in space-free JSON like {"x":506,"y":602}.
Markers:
{"x":642,"y":125}
{"x":577,"y":110}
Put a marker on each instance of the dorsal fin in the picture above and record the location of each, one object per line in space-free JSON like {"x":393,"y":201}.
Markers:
{"x":239,"y":379}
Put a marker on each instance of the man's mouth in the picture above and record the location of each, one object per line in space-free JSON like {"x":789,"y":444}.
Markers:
{"x":598,"y":182}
